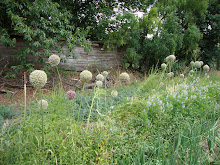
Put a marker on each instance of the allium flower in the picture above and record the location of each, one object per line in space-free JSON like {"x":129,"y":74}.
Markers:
{"x":105,"y":73}
{"x":163,"y":66}
{"x":192,"y":63}
{"x":201,"y":62}
{"x":44,"y":104}
{"x":124,"y":77}
{"x":191,"y":72}
{"x":181,"y":75}
{"x":85,"y":76}
{"x":206,"y":68}
{"x":54,"y":60}
{"x":100,"y":77}
{"x":170,"y":58}
{"x":161,"y":84}
{"x":114,"y":93}
{"x":197,"y":64}
{"x":153,"y":90}
{"x":70,"y":95}
{"x":99,"y":84}
{"x":170,"y":75}
{"x":38,"y":78}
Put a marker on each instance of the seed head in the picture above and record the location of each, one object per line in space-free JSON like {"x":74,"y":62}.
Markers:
{"x":163,"y":66}
{"x":44,"y":104}
{"x":54,"y":60}
{"x":124,"y":78}
{"x":192,"y":63}
{"x":201,"y":62}
{"x":99,"y":84}
{"x":161,"y":84}
{"x":197,"y":64}
{"x":191,"y":72}
{"x":170,"y":58}
{"x":170,"y":75}
{"x":181,"y":75}
{"x":85,"y":76}
{"x":105,"y":73}
{"x":206,"y":68}
{"x":114,"y":93}
{"x":38,"y":78}
{"x":100,"y":77}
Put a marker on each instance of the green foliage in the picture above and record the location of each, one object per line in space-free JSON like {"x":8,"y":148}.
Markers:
{"x":138,"y":126}
{"x":43,"y":26}
{"x":7,"y":112}
{"x":210,"y":28}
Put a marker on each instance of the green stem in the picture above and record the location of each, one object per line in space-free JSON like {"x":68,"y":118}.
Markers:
{"x":25,"y":104}
{"x":105,"y":93}
{"x":81,"y":100}
{"x":90,"y":111}
{"x":42,"y":114}
{"x":61,"y":85}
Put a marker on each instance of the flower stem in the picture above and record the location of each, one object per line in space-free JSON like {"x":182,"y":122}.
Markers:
{"x":61,"y":85}
{"x":25,"y":102}
{"x":42,"y":114}
{"x":81,"y":100}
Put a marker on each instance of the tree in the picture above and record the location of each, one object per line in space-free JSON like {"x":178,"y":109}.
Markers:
{"x":43,"y":26}
{"x":211,"y":35}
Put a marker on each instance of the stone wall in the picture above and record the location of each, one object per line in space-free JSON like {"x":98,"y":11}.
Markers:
{"x":78,"y":60}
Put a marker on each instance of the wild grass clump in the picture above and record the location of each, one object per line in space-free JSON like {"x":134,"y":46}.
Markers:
{"x":161,"y":120}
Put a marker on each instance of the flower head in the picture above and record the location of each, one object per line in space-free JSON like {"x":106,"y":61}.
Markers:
{"x":85,"y":76}
{"x":153,"y":90}
{"x":54,"y":60}
{"x":170,"y":58}
{"x":161,"y":84}
{"x":99,"y":84}
{"x":100,"y":77}
{"x":206,"y":68}
{"x":201,"y":62}
{"x":181,"y":75}
{"x":163,"y":66}
{"x":124,"y":77}
{"x":170,"y":75}
{"x":114,"y":93}
{"x":197,"y":64}
{"x":70,"y":95}
{"x":44,"y":104}
{"x":38,"y":78}
{"x":105,"y":73}
{"x":191,"y":72}
{"x":192,"y":63}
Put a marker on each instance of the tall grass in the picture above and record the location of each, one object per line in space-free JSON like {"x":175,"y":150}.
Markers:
{"x":176,"y":124}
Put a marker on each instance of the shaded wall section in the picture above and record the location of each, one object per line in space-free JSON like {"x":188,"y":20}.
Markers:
{"x":78,"y":60}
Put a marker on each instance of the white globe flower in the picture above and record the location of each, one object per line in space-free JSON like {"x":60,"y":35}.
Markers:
{"x":197,"y":64}
{"x":54,"y":60}
{"x":163,"y":66}
{"x":100,"y":77}
{"x":38,"y":78}
{"x":99,"y":84}
{"x":124,"y":77}
{"x":181,"y":75}
{"x":201,"y":62}
{"x":206,"y":68}
{"x":44,"y":104}
{"x":192,"y":63}
{"x":105,"y":73}
{"x":85,"y":76}
{"x":170,"y":58}
{"x":114,"y":93}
